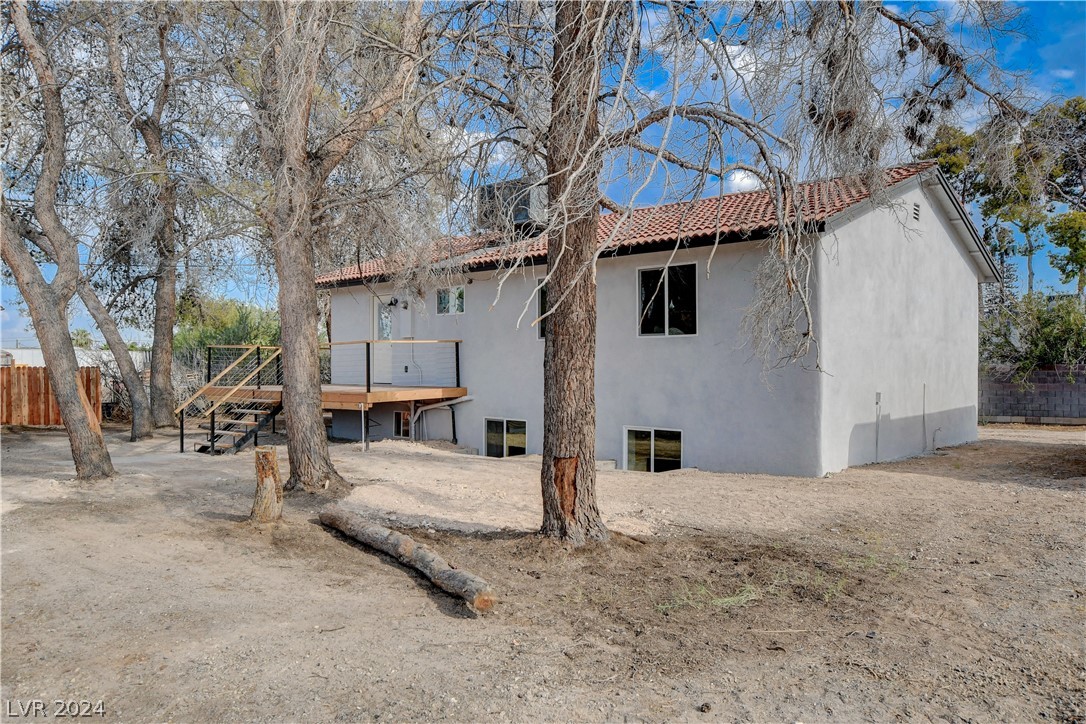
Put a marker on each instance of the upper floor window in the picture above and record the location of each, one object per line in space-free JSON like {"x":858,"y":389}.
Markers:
{"x":450,"y":300}
{"x":667,"y":300}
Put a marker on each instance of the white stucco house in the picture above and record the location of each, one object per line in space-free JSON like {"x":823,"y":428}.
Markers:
{"x":896,"y":309}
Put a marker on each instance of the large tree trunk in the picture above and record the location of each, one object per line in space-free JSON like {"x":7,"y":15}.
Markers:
{"x":48,"y":301}
{"x":142,"y":426}
{"x":573,"y":165}
{"x":307,"y":446}
{"x":47,"y":311}
{"x":287,"y":90}
{"x":162,"y":393}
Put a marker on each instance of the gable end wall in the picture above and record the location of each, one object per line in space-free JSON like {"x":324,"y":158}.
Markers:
{"x":898,"y":306}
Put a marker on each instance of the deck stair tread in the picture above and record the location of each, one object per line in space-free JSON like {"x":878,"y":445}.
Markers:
{"x":220,"y":431}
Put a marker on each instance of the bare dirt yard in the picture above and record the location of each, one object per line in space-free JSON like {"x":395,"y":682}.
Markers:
{"x":948,"y":587}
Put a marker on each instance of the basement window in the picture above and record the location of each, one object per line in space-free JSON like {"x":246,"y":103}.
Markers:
{"x":667,"y":301}
{"x":450,"y":300}
{"x":505,"y":438}
{"x":652,"y":450}
{"x":401,"y":423}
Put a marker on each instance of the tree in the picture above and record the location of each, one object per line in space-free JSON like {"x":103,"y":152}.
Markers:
{"x":1068,"y":231}
{"x":82,"y":338}
{"x":153,"y":131}
{"x":289,"y":102}
{"x":765,"y":91}
{"x":1036,"y":331}
{"x":48,"y":301}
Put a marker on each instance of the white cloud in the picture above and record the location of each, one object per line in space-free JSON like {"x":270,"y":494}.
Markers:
{"x":1064,"y":73}
{"x":739,"y":180}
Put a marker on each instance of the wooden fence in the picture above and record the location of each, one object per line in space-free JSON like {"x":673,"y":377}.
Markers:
{"x":26,"y":397}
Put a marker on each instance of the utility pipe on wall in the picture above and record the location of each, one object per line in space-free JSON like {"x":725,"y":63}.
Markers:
{"x":437,"y":405}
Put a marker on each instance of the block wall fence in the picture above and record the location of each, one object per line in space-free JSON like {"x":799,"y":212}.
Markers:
{"x":1047,"y":397}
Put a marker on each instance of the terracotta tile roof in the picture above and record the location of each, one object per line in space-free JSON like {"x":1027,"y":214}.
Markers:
{"x":746,"y":214}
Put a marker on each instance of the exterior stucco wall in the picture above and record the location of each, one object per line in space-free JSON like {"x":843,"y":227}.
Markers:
{"x":704,"y":385}
{"x":898,"y":316}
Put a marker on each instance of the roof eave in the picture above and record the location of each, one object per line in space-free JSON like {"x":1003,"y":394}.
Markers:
{"x":962,"y":224}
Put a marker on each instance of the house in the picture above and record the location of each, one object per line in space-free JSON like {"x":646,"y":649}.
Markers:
{"x":896,"y":312}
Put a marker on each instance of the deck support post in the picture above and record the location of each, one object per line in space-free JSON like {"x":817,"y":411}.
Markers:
{"x":181,"y":425}
{"x":366,"y":429}
{"x":211,"y":438}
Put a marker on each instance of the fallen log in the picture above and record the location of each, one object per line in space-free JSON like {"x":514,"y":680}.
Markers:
{"x":403,"y":548}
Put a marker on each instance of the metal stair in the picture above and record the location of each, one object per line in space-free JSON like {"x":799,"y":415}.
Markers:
{"x":229,"y":408}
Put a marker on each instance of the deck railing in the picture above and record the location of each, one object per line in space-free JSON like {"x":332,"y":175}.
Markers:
{"x":396,"y":362}
{"x":364,"y":362}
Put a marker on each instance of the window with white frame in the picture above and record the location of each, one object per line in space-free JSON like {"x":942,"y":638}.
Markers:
{"x":450,"y":300}
{"x":667,"y":301}
{"x":653,"y":450}
{"x":401,"y":423}
{"x":505,"y":438}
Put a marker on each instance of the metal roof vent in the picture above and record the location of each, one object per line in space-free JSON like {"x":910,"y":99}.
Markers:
{"x":916,"y":212}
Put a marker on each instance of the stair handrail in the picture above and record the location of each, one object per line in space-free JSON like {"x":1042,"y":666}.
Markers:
{"x":215,"y":379}
{"x":241,"y":384}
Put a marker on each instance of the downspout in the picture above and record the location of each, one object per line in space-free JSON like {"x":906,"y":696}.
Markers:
{"x":437,"y":405}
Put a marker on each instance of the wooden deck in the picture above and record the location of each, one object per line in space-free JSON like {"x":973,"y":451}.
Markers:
{"x":347,"y":397}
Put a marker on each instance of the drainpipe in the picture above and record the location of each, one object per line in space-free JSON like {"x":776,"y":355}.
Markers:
{"x":448,"y":404}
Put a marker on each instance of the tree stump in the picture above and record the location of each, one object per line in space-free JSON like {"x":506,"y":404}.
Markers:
{"x":268,"y":504}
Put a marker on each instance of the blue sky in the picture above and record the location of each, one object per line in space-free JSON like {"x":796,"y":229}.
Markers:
{"x":1051,"y":49}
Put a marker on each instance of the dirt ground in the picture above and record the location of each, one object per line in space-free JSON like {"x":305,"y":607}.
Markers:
{"x":949,"y":587}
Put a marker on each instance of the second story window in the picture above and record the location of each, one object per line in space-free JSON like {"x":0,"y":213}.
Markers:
{"x":450,"y":300}
{"x":667,"y":301}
